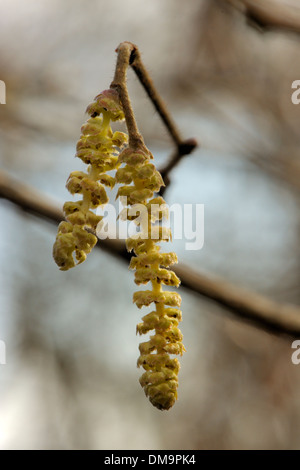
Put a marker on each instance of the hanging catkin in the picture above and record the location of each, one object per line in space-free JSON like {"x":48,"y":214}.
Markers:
{"x":100,"y":149}
{"x":141,"y":180}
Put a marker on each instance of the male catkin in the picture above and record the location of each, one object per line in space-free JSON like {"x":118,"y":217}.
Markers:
{"x":98,"y":148}
{"x":138,"y":178}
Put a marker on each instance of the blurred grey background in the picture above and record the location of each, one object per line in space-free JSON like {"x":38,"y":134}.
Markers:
{"x":71,"y":380}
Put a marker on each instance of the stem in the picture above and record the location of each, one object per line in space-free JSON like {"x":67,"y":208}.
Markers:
{"x":183,"y":147}
{"x":128,"y":54}
{"x":145,"y":79}
{"x":125,"y":50}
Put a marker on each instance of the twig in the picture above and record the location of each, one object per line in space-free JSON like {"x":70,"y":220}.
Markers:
{"x":119,"y":83}
{"x":283,"y":319}
{"x":128,"y":54}
{"x":145,"y":79}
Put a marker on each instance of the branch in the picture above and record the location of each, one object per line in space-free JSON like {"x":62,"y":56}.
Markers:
{"x":128,"y":54}
{"x":144,"y":77}
{"x":270,"y":14}
{"x":283,"y":319}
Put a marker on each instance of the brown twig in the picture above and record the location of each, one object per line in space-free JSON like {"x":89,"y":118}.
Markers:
{"x":129,"y":55}
{"x":283,"y":319}
{"x":125,"y":50}
{"x":145,"y":79}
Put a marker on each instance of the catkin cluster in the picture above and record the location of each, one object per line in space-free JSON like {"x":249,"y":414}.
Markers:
{"x":140,"y":180}
{"x":98,"y":147}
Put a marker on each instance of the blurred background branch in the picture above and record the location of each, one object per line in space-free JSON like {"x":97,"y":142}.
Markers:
{"x":257,"y":309}
{"x":270,"y":14}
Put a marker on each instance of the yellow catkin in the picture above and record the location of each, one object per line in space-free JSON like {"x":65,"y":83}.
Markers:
{"x":140,"y":179}
{"x":98,"y":147}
